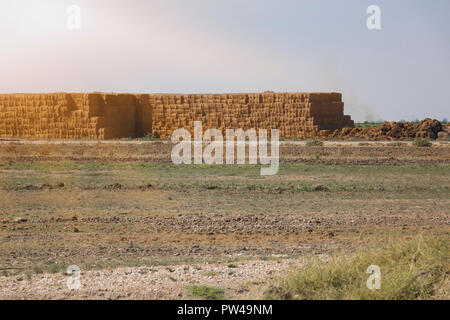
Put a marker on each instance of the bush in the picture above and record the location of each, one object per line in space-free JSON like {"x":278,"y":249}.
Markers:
{"x":206,"y":292}
{"x":421,"y":142}
{"x":314,"y":142}
{"x":150,"y":137}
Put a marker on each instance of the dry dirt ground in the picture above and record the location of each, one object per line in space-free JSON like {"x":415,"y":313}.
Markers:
{"x":140,"y":227}
{"x":334,"y":153}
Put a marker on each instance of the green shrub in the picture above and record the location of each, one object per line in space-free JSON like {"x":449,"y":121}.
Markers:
{"x":38,"y":269}
{"x":314,"y":142}
{"x":150,"y":137}
{"x":206,"y":292}
{"x":421,"y":142}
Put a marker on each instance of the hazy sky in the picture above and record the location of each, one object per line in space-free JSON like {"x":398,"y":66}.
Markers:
{"x":199,"y":46}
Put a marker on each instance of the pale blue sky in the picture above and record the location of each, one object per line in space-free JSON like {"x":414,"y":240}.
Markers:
{"x":195,"y":46}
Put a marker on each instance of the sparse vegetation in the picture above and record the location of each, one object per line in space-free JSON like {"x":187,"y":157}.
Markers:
{"x":206,"y":292}
{"x":421,"y":142}
{"x":150,"y":137}
{"x":37,"y":269}
{"x":397,"y":144}
{"x":211,"y":274}
{"x":314,"y":142}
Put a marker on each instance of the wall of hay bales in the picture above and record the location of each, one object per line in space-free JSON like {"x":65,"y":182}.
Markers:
{"x":294,"y":114}
{"x":56,"y":115}
{"x":68,"y":116}
{"x":109,"y":116}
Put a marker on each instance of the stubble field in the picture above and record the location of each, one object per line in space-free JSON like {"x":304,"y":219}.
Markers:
{"x":140,"y":227}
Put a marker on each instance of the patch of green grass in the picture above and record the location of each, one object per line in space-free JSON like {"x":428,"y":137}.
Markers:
{"x":38,"y":269}
{"x":410,"y":269}
{"x":397,"y":144}
{"x":152,"y":170}
{"x":206,"y":292}
{"x":150,"y":137}
{"x":314,"y":142}
{"x":421,"y":142}
{"x":300,"y":178}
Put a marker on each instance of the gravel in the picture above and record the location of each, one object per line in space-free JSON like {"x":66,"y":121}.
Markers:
{"x":147,"y":283}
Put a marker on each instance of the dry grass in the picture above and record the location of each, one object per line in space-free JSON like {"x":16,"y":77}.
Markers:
{"x":410,"y":269}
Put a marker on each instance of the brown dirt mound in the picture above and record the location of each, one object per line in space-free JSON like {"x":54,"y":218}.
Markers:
{"x":428,"y":128}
